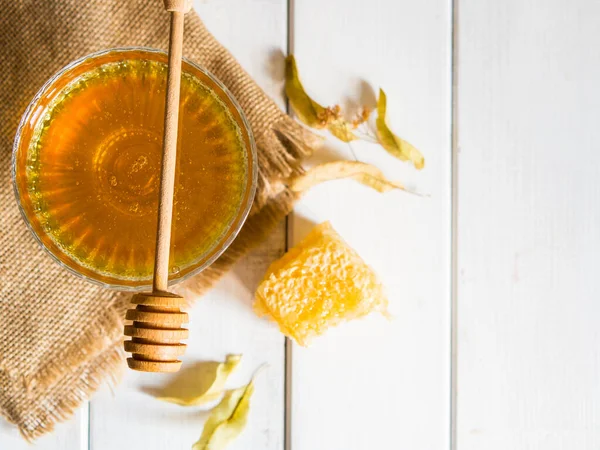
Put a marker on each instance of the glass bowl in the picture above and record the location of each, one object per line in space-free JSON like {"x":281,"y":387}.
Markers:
{"x":70,"y":147}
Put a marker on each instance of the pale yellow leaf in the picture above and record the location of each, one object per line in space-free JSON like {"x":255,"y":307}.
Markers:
{"x":227,"y":420}
{"x":364,"y":173}
{"x":307,"y":110}
{"x":199,"y":383}
{"x":393,"y":144}
{"x":380,"y":184}
{"x":342,"y":130}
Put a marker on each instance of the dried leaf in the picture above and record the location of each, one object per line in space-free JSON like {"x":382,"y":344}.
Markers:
{"x":201,"y":383}
{"x":312,"y":113}
{"x":227,"y":420}
{"x":307,"y":110}
{"x":342,"y":130}
{"x":392,"y":143}
{"x":366,"y":174}
{"x":380,"y":184}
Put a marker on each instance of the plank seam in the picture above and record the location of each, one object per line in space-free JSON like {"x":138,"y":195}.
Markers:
{"x":287,"y":431}
{"x":454,"y":221}
{"x":87,"y":426}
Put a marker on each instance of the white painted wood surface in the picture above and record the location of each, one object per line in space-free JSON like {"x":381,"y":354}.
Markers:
{"x":72,"y":435}
{"x":375,"y":384}
{"x":528,"y":225}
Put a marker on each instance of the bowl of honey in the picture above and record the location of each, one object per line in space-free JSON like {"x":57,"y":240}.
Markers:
{"x":86,"y":167}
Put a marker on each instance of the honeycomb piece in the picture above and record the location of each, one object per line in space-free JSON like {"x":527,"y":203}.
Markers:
{"x":317,"y":285}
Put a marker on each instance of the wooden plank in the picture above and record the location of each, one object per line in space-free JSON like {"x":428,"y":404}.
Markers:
{"x":72,"y":435}
{"x":222,"y":322}
{"x":374,"y":384}
{"x":528,"y":226}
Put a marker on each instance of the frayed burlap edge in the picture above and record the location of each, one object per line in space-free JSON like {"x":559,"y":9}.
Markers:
{"x":95,"y":357}
{"x":106,"y":366}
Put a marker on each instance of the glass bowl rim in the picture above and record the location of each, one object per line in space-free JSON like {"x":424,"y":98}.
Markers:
{"x":243,"y":211}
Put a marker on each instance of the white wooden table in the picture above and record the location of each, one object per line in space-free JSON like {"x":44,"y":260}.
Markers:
{"x":493,"y":280}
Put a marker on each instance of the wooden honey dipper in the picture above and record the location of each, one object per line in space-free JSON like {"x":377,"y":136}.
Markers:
{"x":157,"y":319}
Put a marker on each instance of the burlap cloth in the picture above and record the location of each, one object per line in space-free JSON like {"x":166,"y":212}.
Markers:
{"x":61,"y":337}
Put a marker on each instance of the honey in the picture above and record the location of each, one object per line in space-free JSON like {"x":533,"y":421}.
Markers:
{"x":92,"y":170}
